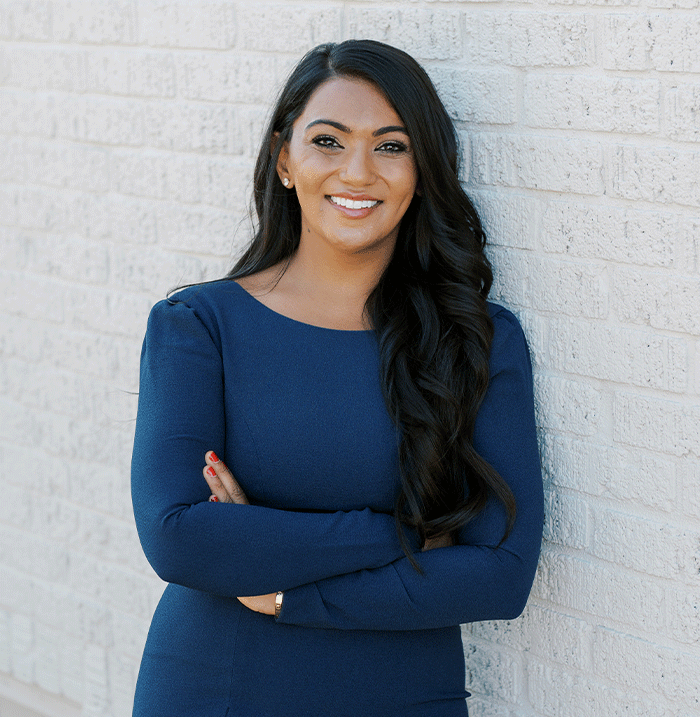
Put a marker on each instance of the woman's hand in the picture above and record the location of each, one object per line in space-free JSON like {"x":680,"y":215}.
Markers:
{"x":444,"y":541}
{"x":224,"y":487}
{"x":260,"y":603}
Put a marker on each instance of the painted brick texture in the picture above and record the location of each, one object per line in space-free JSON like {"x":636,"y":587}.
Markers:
{"x":128,"y":131}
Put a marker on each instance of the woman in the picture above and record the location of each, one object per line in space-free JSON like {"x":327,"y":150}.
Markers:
{"x":365,"y":416}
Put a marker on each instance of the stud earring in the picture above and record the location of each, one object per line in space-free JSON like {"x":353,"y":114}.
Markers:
{"x":285,"y":181}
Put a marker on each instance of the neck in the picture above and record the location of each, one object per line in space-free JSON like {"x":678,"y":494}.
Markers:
{"x":337,"y":278}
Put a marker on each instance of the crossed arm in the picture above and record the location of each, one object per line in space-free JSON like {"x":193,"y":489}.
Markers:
{"x":342,"y":570}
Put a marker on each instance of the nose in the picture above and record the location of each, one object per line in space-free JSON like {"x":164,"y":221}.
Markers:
{"x":358,"y":168}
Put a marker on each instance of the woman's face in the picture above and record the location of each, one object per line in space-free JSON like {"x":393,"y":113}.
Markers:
{"x":351,"y":163}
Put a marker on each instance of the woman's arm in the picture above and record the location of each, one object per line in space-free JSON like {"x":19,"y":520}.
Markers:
{"x":226,"y":549}
{"x":475,"y":579}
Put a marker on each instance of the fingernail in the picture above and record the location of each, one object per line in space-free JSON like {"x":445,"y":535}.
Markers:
{"x":213,"y":457}
{"x":213,"y":499}
{"x":211,"y":472}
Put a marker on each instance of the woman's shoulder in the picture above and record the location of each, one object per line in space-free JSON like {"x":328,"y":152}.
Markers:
{"x":509,"y":344}
{"x":209,"y":304}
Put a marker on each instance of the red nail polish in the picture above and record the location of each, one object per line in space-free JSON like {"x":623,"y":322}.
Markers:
{"x":211,"y":472}
{"x":213,"y":499}
{"x":213,"y":457}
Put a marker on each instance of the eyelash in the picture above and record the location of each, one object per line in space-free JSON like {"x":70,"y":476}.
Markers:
{"x":391,"y":146}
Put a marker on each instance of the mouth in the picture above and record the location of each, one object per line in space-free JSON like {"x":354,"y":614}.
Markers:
{"x":353,"y":208}
{"x":353,"y":203}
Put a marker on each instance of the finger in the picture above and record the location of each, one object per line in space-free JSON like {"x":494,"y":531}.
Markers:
{"x":216,"y":486}
{"x":234,"y":490}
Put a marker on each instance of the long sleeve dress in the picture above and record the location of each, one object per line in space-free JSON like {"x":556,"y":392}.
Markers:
{"x":296,"y":411}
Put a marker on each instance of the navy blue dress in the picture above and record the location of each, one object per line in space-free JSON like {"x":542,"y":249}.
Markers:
{"x":296,"y":411}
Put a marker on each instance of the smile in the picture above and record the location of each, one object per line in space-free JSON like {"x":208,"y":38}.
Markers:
{"x":353,"y":203}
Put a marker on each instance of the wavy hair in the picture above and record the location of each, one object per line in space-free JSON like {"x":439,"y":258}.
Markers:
{"x":428,"y":309}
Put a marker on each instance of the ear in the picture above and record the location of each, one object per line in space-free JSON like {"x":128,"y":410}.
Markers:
{"x":282,"y":160}
{"x":419,"y":188}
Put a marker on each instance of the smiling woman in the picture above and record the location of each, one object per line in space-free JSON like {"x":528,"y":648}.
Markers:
{"x":379,"y":480}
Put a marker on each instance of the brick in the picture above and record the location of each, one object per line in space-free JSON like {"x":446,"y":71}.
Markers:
{"x":205,"y":231}
{"x":266,"y":27}
{"x":98,"y":23}
{"x":617,"y":234}
{"x":43,"y":69}
{"x":425,"y":34}
{"x":664,"y":42}
{"x":657,"y":299}
{"x":111,"y":586}
{"x":17,"y":590}
{"x":60,"y":164}
{"x":650,"y":546}
{"x":209,"y":25}
{"x":226,"y":183}
{"x":230,"y":78}
{"x":608,"y":593}
{"x":6,"y":22}
{"x":89,"y":215}
{"x":537,"y":162}
{"x":541,"y":631}
{"x":22,"y":647}
{"x":32,"y":297}
{"x":657,"y":424}
{"x":192,"y":128}
{"x":48,"y":660}
{"x":156,"y":271}
{"x":182,"y":182}
{"x":682,"y":107}
{"x":141,"y":173}
{"x":31,"y":20}
{"x":543,"y":284}
{"x":125,"y":72}
{"x":683,"y":614}
{"x":26,"y":113}
{"x":673,"y":4}
{"x":41,"y":208}
{"x":689,"y":502}
{"x":101,"y":120}
{"x":657,"y":668}
{"x":608,"y":104}
{"x":491,"y":671}
{"x":571,"y":406}
{"x":13,"y":161}
{"x":566,"y":520}
{"x":509,"y":219}
{"x":489,"y":97}
{"x":16,"y":341}
{"x":579,"y":695}
{"x":129,"y":219}
{"x":612,"y":353}
{"x":106,"y":311}
{"x":655,"y":174}
{"x":631,"y":477}
{"x":529,"y":39}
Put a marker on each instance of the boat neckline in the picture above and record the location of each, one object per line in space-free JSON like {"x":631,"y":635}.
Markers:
{"x":296,"y":321}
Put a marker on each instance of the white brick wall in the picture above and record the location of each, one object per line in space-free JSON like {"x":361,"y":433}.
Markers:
{"x":127,"y":135}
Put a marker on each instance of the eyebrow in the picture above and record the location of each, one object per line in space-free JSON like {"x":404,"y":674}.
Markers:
{"x":347,"y":130}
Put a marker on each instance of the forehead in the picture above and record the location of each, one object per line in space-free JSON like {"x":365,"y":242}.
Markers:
{"x":353,"y":102}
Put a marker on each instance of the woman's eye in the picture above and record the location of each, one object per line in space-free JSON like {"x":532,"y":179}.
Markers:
{"x":325,"y":140}
{"x":393,"y":147}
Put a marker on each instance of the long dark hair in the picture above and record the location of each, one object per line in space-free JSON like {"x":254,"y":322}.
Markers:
{"x":429,"y":308}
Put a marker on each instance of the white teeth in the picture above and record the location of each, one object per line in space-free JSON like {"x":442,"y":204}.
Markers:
{"x":352,"y":204}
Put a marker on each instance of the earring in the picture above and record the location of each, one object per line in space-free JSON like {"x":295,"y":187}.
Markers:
{"x":285,"y":181}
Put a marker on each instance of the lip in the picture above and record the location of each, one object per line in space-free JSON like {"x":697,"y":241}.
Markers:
{"x":354,"y":213}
